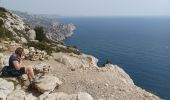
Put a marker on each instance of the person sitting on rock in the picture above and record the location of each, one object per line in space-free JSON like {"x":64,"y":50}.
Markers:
{"x":16,"y":68}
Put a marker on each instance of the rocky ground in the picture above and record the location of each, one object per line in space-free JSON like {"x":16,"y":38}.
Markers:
{"x":67,"y":76}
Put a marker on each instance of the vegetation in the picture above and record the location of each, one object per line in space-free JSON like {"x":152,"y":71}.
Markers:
{"x":2,"y":9}
{"x":1,"y":22}
{"x":5,"y":34}
{"x":40,"y":34}
{"x":107,"y":62}
{"x":41,"y":46}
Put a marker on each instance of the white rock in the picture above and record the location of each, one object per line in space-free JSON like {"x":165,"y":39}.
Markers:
{"x":47,"y":83}
{"x":57,"y":96}
{"x":84,"y":96}
{"x":30,"y":97}
{"x":5,"y":88}
{"x":42,"y":68}
{"x":17,"y":95}
{"x":31,"y":34}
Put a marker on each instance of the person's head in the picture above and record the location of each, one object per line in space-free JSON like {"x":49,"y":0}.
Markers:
{"x":19,"y":51}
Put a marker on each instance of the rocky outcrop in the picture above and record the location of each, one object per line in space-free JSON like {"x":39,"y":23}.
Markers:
{"x":54,"y":30}
{"x":65,"y":96}
{"x":5,"y":88}
{"x":47,"y":83}
{"x":16,"y":25}
{"x":20,"y":95}
{"x":35,"y":54}
{"x":60,"y":32}
{"x":77,"y":61}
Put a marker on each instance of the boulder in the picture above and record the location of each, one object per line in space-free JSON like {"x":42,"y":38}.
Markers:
{"x":42,"y":68}
{"x":5,"y":88}
{"x":57,"y":96}
{"x":77,"y":61}
{"x":84,"y":96}
{"x":23,"y":40}
{"x":17,"y":95}
{"x":47,"y":83}
{"x":31,"y":34}
{"x":20,"y":95}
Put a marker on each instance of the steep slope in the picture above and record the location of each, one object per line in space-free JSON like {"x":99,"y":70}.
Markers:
{"x":19,"y":31}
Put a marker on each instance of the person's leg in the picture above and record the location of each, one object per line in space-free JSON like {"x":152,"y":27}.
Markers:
{"x":30,"y":73}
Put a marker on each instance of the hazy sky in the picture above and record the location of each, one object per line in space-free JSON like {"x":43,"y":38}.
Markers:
{"x":91,"y":7}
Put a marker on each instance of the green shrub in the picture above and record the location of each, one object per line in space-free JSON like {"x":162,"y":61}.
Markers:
{"x":41,"y":46}
{"x":2,"y":9}
{"x":1,"y":22}
{"x":5,"y":34}
{"x":40,"y":35}
{"x":107,"y":62}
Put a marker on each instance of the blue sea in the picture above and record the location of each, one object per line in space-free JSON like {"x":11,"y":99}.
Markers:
{"x":140,"y":45}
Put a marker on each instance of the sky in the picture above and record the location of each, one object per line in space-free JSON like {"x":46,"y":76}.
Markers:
{"x":91,"y":7}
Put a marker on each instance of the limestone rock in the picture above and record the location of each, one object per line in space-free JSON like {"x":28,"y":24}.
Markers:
{"x":77,"y":61}
{"x":57,"y":96}
{"x":42,"y":68}
{"x":31,"y":34}
{"x":84,"y":96}
{"x":30,"y":97}
{"x":17,"y":95}
{"x":47,"y":83}
{"x":20,"y":95}
{"x":5,"y":88}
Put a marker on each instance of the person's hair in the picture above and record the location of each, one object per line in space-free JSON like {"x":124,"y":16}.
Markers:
{"x":19,"y":51}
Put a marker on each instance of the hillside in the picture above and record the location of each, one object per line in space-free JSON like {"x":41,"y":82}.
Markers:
{"x":62,"y":72}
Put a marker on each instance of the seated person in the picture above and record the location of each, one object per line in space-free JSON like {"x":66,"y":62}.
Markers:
{"x":16,"y":68}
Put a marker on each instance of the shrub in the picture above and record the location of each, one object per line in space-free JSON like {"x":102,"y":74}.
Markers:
{"x":5,"y":34}
{"x":1,"y":22}
{"x":41,"y":46}
{"x":2,"y":9}
{"x":40,"y":35}
{"x":107,"y":62}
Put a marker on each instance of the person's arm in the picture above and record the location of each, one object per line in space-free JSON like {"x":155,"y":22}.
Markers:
{"x":17,"y":64}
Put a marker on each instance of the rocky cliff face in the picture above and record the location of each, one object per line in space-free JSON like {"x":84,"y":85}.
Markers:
{"x":54,"y":30}
{"x":13,"y":23}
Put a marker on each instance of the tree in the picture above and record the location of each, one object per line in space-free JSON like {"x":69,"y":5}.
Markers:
{"x":40,"y":35}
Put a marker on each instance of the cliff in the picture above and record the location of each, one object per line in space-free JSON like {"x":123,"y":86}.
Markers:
{"x":63,"y":75}
{"x":53,"y":29}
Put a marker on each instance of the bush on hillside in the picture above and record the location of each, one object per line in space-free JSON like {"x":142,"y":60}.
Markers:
{"x":41,"y":46}
{"x":40,"y":35}
{"x":107,"y":62}
{"x":5,"y":34}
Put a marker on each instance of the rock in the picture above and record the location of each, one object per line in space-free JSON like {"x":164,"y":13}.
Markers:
{"x":65,"y":96}
{"x":57,"y":96}
{"x":17,"y":95}
{"x":23,"y":40}
{"x":5,"y":88}
{"x":42,"y":68}
{"x":44,"y":95}
{"x":84,"y":96}
{"x":24,"y":77}
{"x":20,"y":95}
{"x":31,"y":34}
{"x":47,"y":83}
{"x":26,"y":51}
{"x":3,"y":60}
{"x":30,"y":97}
{"x":77,"y":61}
{"x":31,"y":49}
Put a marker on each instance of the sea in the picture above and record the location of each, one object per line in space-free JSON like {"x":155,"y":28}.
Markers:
{"x":139,"y":45}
